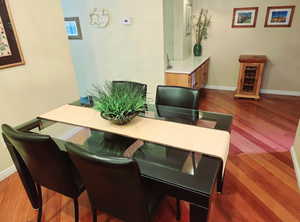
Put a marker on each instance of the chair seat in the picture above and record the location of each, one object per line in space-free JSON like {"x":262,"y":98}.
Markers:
{"x":75,"y":175}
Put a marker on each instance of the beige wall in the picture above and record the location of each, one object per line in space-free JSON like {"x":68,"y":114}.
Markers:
{"x":224,"y":44}
{"x":47,"y":80}
{"x":119,"y":52}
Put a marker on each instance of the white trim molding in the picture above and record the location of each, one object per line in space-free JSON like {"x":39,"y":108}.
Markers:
{"x":227,"y":88}
{"x":7,"y":172}
{"x":296,"y":165}
{"x":280,"y":92}
{"x":263,"y":91}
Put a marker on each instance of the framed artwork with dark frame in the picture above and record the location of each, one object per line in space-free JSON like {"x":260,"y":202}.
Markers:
{"x":73,"y":28}
{"x":10,"y":51}
{"x":244,"y":17}
{"x":279,"y":16}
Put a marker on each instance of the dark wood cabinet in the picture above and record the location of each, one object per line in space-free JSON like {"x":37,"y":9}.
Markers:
{"x":250,"y":76}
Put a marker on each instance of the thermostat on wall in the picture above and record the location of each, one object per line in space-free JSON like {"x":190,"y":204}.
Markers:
{"x":126,"y":21}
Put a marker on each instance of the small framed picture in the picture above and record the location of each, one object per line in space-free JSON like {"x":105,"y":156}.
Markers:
{"x":244,"y":17}
{"x":10,"y":50}
{"x":279,"y":16}
{"x":73,"y":29}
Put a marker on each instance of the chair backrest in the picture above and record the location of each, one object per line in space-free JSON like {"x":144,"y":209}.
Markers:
{"x":140,"y":86}
{"x":177,"y":96}
{"x":113,"y":184}
{"x":47,"y":165}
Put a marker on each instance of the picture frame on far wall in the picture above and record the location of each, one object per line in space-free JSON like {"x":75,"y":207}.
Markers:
{"x":244,"y":17}
{"x":72,"y":25}
{"x":279,"y":16}
{"x":10,"y":50}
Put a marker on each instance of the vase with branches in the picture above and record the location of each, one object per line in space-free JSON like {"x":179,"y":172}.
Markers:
{"x":201,"y":30}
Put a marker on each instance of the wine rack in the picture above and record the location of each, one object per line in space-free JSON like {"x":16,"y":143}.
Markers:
{"x":250,"y":77}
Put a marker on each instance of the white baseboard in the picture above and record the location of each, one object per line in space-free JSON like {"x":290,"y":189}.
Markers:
{"x":227,"y":88}
{"x":296,"y":165}
{"x":280,"y":92}
{"x":263,"y":91}
{"x":7,"y":172}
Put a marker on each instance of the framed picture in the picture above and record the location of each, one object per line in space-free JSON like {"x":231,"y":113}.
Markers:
{"x":10,"y":51}
{"x":188,"y":19}
{"x":244,"y":17}
{"x":279,"y":16}
{"x":73,"y":28}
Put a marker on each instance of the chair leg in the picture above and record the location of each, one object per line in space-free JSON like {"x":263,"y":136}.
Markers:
{"x":94,"y":212}
{"x":76,"y":210}
{"x":40,"y":195}
{"x":178,"y":210}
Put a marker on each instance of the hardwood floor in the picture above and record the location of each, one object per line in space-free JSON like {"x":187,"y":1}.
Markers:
{"x":260,"y":183}
{"x":267,"y":125}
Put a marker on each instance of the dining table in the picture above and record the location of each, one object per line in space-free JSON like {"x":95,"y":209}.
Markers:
{"x":186,"y":174}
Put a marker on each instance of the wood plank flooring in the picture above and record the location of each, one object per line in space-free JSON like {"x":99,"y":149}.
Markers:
{"x":260,"y":183}
{"x":264,"y":126}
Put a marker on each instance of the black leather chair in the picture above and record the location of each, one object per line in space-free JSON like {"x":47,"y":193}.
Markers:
{"x":114,"y":186}
{"x":140,"y":86}
{"x":46,"y":164}
{"x":177,"y":97}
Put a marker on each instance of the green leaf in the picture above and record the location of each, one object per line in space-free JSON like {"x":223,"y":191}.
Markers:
{"x":118,"y":101}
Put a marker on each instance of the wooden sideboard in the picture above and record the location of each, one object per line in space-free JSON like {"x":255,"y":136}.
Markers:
{"x":192,"y":73}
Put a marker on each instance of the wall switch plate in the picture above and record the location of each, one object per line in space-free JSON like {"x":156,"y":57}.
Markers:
{"x":126,"y":21}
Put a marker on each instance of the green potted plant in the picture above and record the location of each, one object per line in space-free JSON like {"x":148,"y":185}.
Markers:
{"x":118,"y":103}
{"x":201,"y":27}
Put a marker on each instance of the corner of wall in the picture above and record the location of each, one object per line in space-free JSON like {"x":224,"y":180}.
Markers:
{"x":296,"y":163}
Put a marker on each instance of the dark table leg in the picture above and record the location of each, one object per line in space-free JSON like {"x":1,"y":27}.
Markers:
{"x":220,"y":181}
{"x":201,"y":213}
{"x":198,"y":213}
